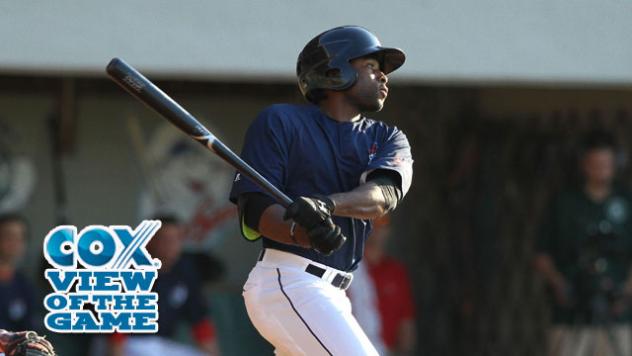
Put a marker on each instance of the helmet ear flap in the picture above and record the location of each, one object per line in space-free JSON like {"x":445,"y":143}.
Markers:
{"x":333,"y":79}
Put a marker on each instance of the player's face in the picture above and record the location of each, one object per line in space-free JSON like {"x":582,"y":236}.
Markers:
{"x":370,"y":90}
{"x":12,"y":241}
{"x":166,"y":245}
{"x":599,"y":166}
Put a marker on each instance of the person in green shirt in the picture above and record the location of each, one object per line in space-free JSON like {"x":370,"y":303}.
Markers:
{"x":584,"y":255}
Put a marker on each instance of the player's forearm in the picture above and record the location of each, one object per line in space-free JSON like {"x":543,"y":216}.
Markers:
{"x":272,"y":226}
{"x":364,"y":202}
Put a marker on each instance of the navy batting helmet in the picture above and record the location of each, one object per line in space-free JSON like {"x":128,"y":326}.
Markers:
{"x":324,"y":63}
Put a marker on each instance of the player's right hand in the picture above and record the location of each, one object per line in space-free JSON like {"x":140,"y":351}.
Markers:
{"x":326,"y":237}
{"x":314,"y":215}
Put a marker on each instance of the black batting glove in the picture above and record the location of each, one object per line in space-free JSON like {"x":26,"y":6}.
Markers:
{"x":309,"y":212}
{"x":326,"y":237}
{"x":314,"y":215}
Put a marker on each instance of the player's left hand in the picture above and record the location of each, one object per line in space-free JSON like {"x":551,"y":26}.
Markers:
{"x":26,"y":343}
{"x":309,"y":212}
{"x":314,"y":215}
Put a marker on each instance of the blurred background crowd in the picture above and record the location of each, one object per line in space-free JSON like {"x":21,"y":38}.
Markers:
{"x":515,"y":238}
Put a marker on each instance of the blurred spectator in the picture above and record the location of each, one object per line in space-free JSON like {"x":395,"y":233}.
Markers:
{"x":17,"y":296}
{"x":180,"y":299}
{"x":584,"y":256}
{"x":391,"y":286}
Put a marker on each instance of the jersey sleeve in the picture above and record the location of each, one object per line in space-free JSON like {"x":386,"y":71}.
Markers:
{"x":266,"y":150}
{"x":395,"y":155}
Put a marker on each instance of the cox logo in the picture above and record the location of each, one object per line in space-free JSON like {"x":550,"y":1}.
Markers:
{"x":98,"y":246}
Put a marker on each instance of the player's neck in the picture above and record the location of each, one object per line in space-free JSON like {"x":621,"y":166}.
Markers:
{"x":339,"y":110}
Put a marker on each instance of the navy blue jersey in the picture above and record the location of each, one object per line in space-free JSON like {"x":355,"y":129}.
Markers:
{"x":17,"y":304}
{"x":180,"y":297}
{"x":303,"y":152}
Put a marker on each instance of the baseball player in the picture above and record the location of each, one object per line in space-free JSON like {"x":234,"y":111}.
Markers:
{"x":342,"y":169}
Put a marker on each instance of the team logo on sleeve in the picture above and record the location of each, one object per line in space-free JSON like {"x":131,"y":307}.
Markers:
{"x":102,"y":279}
{"x":372,"y":151}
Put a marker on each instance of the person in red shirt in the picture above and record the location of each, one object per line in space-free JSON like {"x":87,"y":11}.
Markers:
{"x":394,"y":297}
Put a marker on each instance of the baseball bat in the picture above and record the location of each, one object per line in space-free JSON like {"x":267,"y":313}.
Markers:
{"x":144,"y":90}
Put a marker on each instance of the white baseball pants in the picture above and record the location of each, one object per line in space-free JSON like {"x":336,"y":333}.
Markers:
{"x":299,"y":313}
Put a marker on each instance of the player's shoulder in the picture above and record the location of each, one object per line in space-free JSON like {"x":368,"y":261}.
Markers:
{"x":380,"y":125}
{"x":285,"y":114}
{"x":285,"y":110}
{"x":20,"y":281}
{"x":384,"y":129}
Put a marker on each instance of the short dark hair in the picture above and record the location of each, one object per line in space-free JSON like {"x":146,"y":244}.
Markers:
{"x":597,"y":139}
{"x":10,"y":217}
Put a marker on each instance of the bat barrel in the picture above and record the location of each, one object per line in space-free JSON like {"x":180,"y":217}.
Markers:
{"x":144,"y":90}
{"x":140,"y":87}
